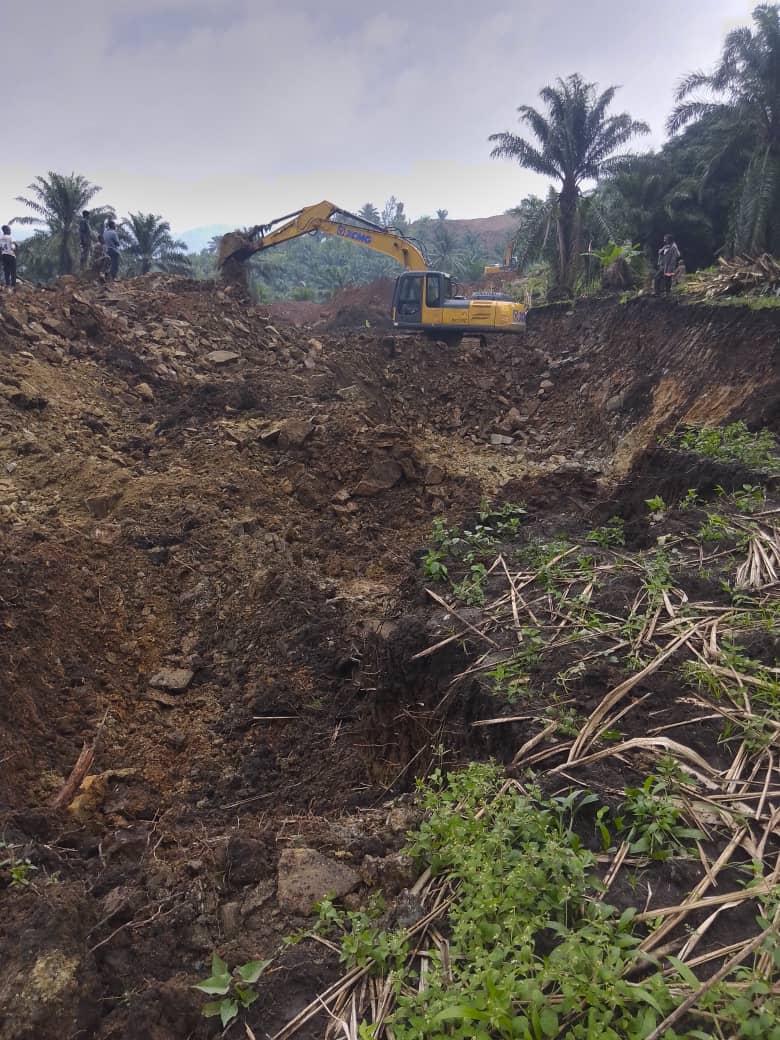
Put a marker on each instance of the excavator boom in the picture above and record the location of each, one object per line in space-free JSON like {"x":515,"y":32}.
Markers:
{"x":238,"y":245}
{"x":424,"y":300}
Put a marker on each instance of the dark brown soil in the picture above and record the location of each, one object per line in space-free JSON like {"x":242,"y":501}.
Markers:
{"x":160,"y":508}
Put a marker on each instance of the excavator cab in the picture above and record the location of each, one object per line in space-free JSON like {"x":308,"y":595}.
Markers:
{"x":429,"y":302}
{"x":415,"y":289}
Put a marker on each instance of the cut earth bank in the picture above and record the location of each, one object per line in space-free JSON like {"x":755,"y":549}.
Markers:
{"x":212,"y":527}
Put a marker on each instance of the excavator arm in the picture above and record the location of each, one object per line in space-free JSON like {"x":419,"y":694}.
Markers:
{"x":240,"y":245}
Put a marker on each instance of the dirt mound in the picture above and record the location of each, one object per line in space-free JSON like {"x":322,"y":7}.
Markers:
{"x":210,"y":534}
{"x":353,"y":307}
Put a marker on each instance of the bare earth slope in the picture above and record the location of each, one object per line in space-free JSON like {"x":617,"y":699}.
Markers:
{"x":190,"y":486}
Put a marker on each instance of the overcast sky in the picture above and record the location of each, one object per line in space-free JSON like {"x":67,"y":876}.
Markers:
{"x":237,"y":111}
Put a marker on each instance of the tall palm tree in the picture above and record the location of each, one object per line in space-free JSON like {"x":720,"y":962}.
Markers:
{"x":148,"y":241}
{"x":56,"y":201}
{"x":370,"y":213}
{"x":745,"y":84}
{"x":577,"y":141}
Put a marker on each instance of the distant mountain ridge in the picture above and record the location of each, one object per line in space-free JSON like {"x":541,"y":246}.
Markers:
{"x":492,"y":231}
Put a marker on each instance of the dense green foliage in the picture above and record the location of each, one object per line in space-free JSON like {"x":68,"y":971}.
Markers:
{"x":533,"y":950}
{"x":715,"y":184}
{"x":577,"y":140}
{"x":56,"y":202}
{"x":149,"y":245}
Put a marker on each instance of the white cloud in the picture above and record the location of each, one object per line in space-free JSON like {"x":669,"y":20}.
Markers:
{"x":236,"y":110}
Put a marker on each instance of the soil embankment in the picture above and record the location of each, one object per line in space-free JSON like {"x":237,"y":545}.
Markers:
{"x":210,"y":531}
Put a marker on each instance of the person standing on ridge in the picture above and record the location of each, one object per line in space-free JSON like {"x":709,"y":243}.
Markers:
{"x":668,"y":259}
{"x":8,"y":256}
{"x":111,"y":242}
{"x":85,"y":239}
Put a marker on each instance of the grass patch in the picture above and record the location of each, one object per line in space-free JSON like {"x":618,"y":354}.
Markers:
{"x":732,"y":443}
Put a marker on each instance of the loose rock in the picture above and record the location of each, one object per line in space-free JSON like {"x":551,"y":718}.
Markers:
{"x":175,"y":680}
{"x":222,"y":357}
{"x":293,"y":433}
{"x":306,"y":877}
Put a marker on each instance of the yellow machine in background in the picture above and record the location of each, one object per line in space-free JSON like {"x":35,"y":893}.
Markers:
{"x":500,"y":270}
{"x":423,"y":300}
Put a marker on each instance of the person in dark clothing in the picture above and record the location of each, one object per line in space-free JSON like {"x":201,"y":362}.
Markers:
{"x":111,"y":243}
{"x":8,"y":256}
{"x":668,"y":259}
{"x":85,"y":239}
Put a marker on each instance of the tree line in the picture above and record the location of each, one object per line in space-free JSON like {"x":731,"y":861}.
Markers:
{"x":715,"y":184}
{"x":55,"y":203}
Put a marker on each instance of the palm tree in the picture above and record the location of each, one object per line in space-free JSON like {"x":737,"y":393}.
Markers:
{"x":369,"y":213}
{"x":577,"y":141}
{"x":149,"y":242}
{"x":646,"y":199}
{"x":57,"y":201}
{"x":746,"y":85}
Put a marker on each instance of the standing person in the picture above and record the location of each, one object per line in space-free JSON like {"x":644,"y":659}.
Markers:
{"x":668,"y":259}
{"x":85,"y":238}
{"x":111,"y":242}
{"x":8,"y":256}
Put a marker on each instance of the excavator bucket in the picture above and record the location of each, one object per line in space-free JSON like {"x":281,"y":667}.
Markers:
{"x":235,"y":245}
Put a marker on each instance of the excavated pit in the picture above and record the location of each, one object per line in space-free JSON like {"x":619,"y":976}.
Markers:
{"x":190,"y":484}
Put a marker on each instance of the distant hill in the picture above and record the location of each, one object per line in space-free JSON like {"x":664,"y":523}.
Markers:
{"x":493,"y":231}
{"x":198,"y":238}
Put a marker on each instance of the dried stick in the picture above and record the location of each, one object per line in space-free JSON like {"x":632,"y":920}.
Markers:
{"x":719,"y":975}
{"x":62,"y":798}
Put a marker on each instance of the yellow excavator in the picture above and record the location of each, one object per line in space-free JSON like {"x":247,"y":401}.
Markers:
{"x":423,"y":300}
{"x":501,"y":270}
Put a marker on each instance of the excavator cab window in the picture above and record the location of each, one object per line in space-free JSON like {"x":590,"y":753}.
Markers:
{"x":409,"y":297}
{"x":433,"y":290}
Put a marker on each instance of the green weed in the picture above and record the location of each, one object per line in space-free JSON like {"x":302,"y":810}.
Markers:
{"x":233,"y":989}
{"x":530,"y":944}
{"x":471,"y":590}
{"x":611,"y":534}
{"x":433,"y":566}
{"x":658,"y":508}
{"x":733,"y":443}
{"x":691,"y":499}
{"x":654,"y":822}
{"x":14,"y":869}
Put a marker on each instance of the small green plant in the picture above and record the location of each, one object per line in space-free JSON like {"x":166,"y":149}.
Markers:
{"x":441,"y":534}
{"x":234,"y":989}
{"x":749,"y":498}
{"x":16,"y":870}
{"x":658,"y":575}
{"x":472,"y":588}
{"x":433,"y":566}
{"x":691,"y":499}
{"x":363,"y":941}
{"x":654,"y":822}
{"x":509,"y":679}
{"x":611,"y":534}
{"x":568,"y":720}
{"x":715,"y":529}
{"x":658,"y":508}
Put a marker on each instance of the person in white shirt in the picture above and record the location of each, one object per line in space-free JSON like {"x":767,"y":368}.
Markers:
{"x":8,"y":257}
{"x":111,"y":243}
